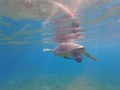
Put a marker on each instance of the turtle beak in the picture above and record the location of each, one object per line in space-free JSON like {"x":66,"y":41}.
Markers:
{"x":79,"y":59}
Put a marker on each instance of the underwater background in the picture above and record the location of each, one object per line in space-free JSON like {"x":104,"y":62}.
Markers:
{"x":24,"y":65}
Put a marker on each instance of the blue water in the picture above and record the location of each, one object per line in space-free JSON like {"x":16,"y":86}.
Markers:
{"x":24,"y":65}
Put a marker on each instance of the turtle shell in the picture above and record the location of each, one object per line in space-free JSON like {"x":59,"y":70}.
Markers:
{"x":67,"y":49}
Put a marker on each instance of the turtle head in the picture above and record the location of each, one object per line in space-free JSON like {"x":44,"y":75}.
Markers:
{"x":79,"y":59}
{"x":77,"y":56}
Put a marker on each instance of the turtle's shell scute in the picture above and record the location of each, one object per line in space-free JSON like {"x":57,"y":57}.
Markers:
{"x":68,"y":47}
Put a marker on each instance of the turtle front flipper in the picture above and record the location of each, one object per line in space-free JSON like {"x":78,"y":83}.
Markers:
{"x":89,"y":56}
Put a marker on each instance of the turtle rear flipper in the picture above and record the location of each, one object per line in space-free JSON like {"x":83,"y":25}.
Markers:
{"x":46,"y":49}
{"x":89,"y":56}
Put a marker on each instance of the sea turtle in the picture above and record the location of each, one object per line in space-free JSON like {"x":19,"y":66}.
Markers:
{"x":71,"y":51}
